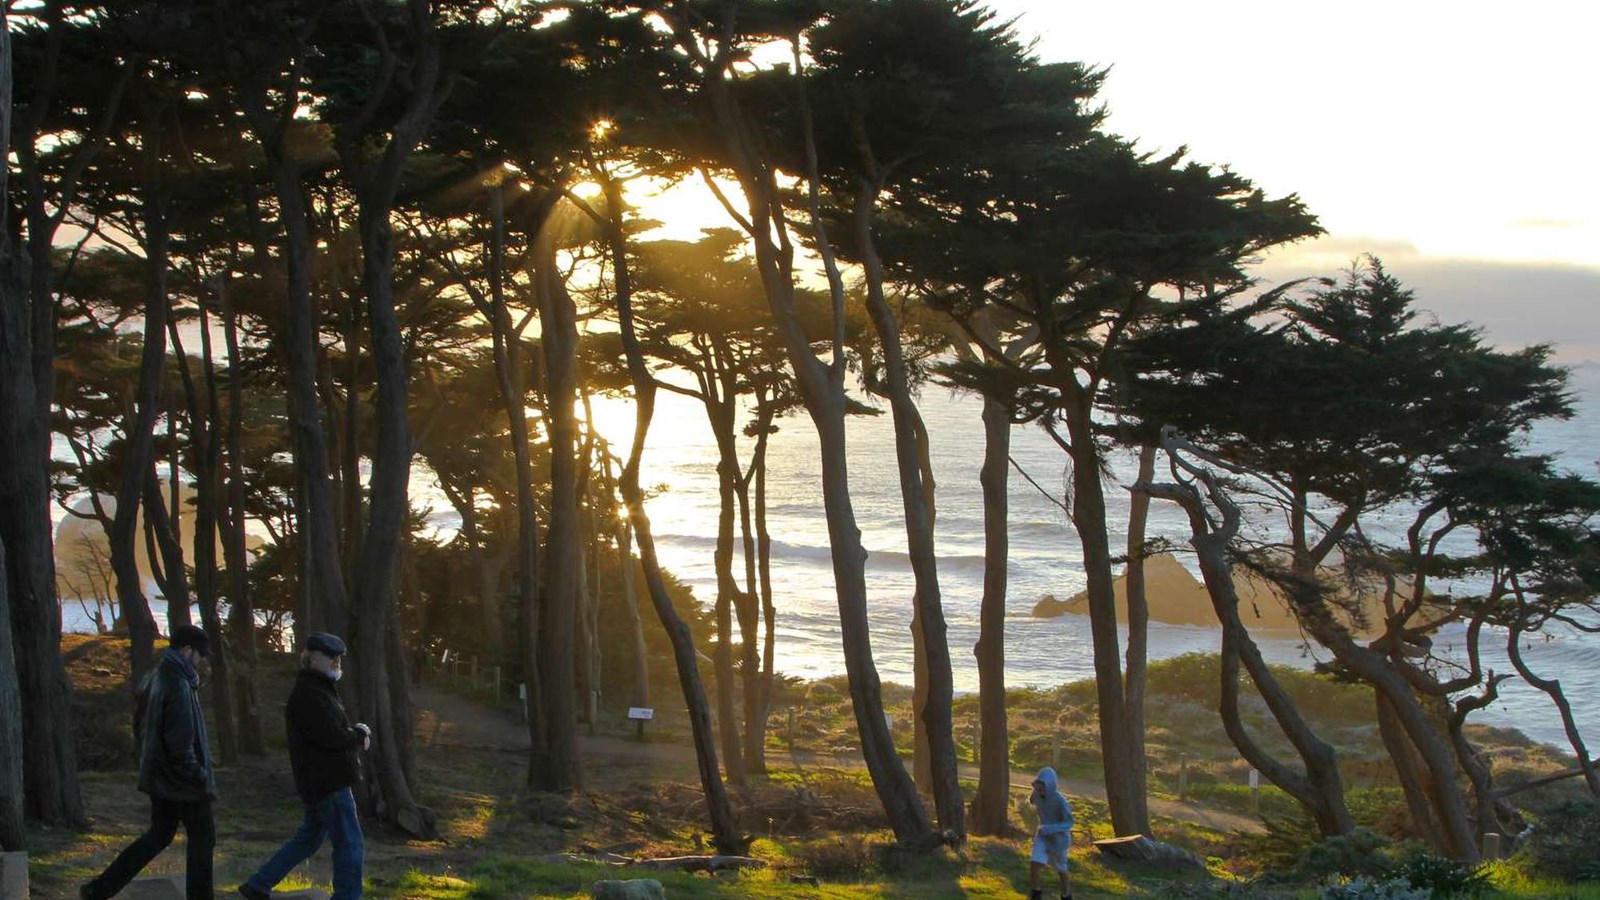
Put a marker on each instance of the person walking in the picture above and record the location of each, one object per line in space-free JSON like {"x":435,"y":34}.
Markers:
{"x":322,"y":754}
{"x":1053,"y":838}
{"x":174,"y":769}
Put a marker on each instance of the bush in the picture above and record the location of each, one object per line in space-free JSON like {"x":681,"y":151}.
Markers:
{"x":1363,"y":888}
{"x":1361,"y":852}
{"x":843,"y":858}
{"x":1444,"y":877}
{"x":1566,"y":842}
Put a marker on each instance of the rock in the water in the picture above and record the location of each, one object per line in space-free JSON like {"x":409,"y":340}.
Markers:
{"x":1142,"y":849}
{"x":636,"y":889}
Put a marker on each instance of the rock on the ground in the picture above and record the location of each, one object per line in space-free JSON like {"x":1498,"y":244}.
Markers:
{"x":154,"y":887}
{"x":636,"y":889}
{"x":1143,"y":849}
{"x":14,"y":875}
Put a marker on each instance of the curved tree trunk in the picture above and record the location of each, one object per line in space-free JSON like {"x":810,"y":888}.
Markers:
{"x":917,"y":500}
{"x":139,"y":426}
{"x":205,"y":450}
{"x":822,"y":391}
{"x":1319,"y":787}
{"x":724,"y":827}
{"x":1552,"y":687}
{"x":990,"y":806}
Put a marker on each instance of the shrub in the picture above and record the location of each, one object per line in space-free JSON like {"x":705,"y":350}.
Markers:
{"x":1361,"y":852}
{"x":1363,"y":888}
{"x":1566,"y":842}
{"x":1444,"y":877}
{"x":842,"y":858}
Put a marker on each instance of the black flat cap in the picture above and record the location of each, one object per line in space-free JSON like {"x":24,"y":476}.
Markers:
{"x":191,"y":636}
{"x":323,"y":642}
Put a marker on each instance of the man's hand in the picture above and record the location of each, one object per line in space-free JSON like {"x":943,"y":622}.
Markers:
{"x":366,"y":735}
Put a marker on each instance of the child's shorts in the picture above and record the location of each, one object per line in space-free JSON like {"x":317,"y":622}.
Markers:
{"x":1045,"y":856}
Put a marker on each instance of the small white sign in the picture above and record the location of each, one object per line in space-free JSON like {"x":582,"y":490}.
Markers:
{"x":522,"y":692}
{"x":1255,"y":779}
{"x":641,"y":712}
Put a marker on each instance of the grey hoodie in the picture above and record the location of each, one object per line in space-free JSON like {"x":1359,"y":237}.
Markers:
{"x":1055,"y":813}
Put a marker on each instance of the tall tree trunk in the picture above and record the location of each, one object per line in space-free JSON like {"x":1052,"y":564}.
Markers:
{"x":763,"y":554}
{"x":557,"y":768}
{"x":623,"y":536}
{"x":11,"y":834}
{"x":822,"y":391}
{"x":990,"y":805}
{"x":139,"y":426}
{"x":11,"y":288}
{"x":755,"y":677}
{"x":372,"y":610}
{"x":1125,"y":796}
{"x":27,"y":380}
{"x":324,"y":585}
{"x":235,"y":553}
{"x":724,"y":827}
{"x":205,"y":450}
{"x":721,"y":410}
{"x":1133,"y":687}
{"x":508,"y":366}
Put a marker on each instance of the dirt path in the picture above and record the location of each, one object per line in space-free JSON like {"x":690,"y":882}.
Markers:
{"x":450,"y":720}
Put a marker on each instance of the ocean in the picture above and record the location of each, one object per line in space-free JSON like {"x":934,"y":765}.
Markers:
{"x":680,"y":463}
{"x":1044,"y":554}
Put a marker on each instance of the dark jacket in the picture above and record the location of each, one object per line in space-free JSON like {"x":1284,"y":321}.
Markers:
{"x":322,"y":745}
{"x":174,"y":761}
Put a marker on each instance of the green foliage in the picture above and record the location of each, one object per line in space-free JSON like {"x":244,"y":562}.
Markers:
{"x":1363,"y":888}
{"x":1361,"y":852}
{"x":1566,"y":842}
{"x":838,"y":857}
{"x":1443,"y":877}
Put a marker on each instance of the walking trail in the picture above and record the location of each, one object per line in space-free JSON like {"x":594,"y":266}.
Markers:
{"x":449,"y":720}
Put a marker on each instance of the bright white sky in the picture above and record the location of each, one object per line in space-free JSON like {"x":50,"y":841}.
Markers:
{"x":1457,"y":140}
{"x":1463,"y":128}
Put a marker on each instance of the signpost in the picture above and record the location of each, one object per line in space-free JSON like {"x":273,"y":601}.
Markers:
{"x":640,"y":715}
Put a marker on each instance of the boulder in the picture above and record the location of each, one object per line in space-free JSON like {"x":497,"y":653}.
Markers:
{"x":635,"y":889}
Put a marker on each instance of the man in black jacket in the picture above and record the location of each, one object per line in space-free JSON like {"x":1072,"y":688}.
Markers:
{"x":174,"y":769}
{"x":322,"y":753}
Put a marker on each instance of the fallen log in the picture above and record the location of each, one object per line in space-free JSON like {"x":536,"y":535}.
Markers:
{"x":713,"y":864}
{"x":702,"y":863}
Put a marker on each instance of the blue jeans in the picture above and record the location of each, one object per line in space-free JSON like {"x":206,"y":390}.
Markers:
{"x":335,"y":817}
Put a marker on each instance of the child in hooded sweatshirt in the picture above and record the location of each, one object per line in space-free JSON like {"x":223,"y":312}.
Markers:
{"x":1054,"y":835}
